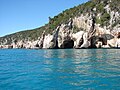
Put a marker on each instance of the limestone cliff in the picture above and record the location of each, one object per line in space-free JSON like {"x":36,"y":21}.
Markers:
{"x":95,"y":24}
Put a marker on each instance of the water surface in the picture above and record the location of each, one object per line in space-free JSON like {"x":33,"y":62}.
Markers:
{"x":60,"y":69}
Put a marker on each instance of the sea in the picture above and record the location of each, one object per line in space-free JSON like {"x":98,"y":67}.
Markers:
{"x":60,"y":69}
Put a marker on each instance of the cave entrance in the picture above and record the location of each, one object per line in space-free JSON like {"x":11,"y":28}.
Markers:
{"x":103,"y":40}
{"x":67,"y":44}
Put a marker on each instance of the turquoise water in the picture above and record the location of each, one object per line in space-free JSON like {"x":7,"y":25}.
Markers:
{"x":55,"y":69}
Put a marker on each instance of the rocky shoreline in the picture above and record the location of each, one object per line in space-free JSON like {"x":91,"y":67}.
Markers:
{"x":95,"y":26}
{"x":90,"y":35}
{"x":76,"y":43}
{"x":64,"y":37}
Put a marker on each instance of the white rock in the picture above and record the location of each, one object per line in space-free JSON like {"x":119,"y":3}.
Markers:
{"x":86,"y":43}
{"x":47,"y":41}
{"x":65,"y":33}
{"x":77,"y":37}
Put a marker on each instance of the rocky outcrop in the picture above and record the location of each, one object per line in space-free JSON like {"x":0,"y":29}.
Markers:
{"x":48,"y":41}
{"x":95,"y":24}
{"x":78,"y":39}
{"x":114,"y":42}
{"x":6,"y":46}
{"x":86,"y":42}
{"x":51,"y":41}
{"x":41,"y":40}
{"x":91,"y":36}
{"x":64,"y":37}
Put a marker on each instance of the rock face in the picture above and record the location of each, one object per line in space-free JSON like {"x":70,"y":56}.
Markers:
{"x":41,"y":40}
{"x":86,"y":42}
{"x":84,"y":30}
{"x":115,"y":42}
{"x":69,"y":43}
{"x":49,"y":41}
{"x":78,"y":39}
{"x":6,"y":46}
{"x":65,"y":35}
{"x":91,"y":36}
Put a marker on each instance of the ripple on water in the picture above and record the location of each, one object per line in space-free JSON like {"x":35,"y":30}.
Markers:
{"x":69,"y":69}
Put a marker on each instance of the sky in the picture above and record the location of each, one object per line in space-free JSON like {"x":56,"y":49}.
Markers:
{"x":19,"y":15}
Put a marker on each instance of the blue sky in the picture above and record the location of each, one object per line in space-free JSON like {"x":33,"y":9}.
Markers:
{"x":18,"y":15}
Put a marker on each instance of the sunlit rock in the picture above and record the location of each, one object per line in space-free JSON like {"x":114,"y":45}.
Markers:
{"x":78,"y":39}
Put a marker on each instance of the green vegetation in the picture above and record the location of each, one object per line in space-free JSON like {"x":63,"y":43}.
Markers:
{"x":64,"y":16}
{"x":104,"y":19}
{"x":100,"y":7}
{"x":75,"y":29}
{"x":115,"y":5}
